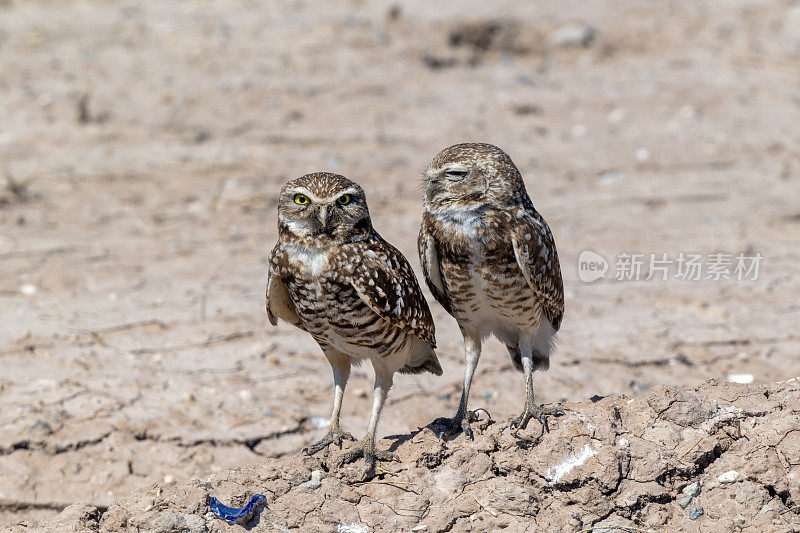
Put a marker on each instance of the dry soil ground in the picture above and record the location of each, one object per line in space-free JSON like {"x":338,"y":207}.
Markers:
{"x":142,"y":147}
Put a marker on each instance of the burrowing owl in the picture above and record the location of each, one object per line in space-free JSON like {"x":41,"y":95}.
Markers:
{"x":490,"y":260}
{"x":332,"y":275}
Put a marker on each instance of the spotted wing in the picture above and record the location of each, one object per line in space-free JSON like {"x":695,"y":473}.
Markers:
{"x":535,"y":251}
{"x":383,"y":279}
{"x":279,"y":304}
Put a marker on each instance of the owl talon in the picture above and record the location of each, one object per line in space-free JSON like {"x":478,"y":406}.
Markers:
{"x":540,"y":413}
{"x":459,"y":424}
{"x":334,"y":436}
{"x":370,"y":459}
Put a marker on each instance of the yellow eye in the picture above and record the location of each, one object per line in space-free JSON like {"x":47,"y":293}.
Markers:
{"x":343,"y":199}
{"x":300,"y":199}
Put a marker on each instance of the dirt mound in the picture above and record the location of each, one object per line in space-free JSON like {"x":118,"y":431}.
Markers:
{"x":719,"y":457}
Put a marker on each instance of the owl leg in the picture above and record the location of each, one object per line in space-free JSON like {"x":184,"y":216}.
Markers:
{"x":383,"y":382}
{"x":462,"y":418}
{"x":530,"y":409}
{"x":341,"y":372}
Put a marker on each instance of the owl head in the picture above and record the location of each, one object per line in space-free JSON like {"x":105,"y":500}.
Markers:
{"x":472,"y":175}
{"x":322,"y":209}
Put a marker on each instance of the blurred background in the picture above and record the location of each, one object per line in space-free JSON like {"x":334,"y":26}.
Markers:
{"x":143,"y":145}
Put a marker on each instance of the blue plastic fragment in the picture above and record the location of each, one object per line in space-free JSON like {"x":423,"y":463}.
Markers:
{"x":236,"y":515}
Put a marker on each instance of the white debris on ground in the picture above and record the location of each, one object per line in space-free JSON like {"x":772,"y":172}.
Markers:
{"x":554,"y":475}
{"x":351,"y":528}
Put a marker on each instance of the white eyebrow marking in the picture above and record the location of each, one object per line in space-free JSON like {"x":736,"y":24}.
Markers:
{"x":314,"y":198}
{"x":351,"y":191}
{"x":431,"y":172}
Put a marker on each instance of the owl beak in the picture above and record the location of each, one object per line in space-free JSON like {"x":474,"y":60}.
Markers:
{"x":323,"y":216}
{"x":431,"y":190}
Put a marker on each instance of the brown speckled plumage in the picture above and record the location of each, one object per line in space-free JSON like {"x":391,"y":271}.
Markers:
{"x":332,"y":275}
{"x":490,"y":259}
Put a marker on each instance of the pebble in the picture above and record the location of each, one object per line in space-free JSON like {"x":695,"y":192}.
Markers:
{"x":351,"y":528}
{"x":611,"y":176}
{"x":573,"y":35}
{"x":312,"y":484}
{"x":684,"y":503}
{"x":318,"y":475}
{"x":728,"y":477}
{"x":741,"y":378}
{"x":695,"y":513}
{"x":40,"y":428}
{"x":692,"y":489}
{"x":623,"y":443}
{"x":28,"y":290}
{"x":319,"y":421}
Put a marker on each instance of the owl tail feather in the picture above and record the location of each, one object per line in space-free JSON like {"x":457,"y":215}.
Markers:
{"x":423,"y":359}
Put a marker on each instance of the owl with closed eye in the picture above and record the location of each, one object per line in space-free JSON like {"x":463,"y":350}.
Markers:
{"x":490,"y":259}
{"x":333,"y":276}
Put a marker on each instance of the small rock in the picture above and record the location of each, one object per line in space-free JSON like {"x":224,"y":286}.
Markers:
{"x":169,"y":479}
{"x":421,"y":527}
{"x":684,"y":503}
{"x":728,"y":477}
{"x":40,"y":428}
{"x":28,"y":289}
{"x":319,"y":421}
{"x":318,"y":475}
{"x":351,"y":528}
{"x":246,"y":395}
{"x":573,"y":35}
{"x":623,"y":443}
{"x":611,"y":176}
{"x":695,"y":513}
{"x":312,"y":484}
{"x":741,"y":378}
{"x":692,"y":489}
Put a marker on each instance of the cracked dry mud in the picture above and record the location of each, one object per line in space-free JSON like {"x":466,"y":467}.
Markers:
{"x":618,"y":464}
{"x":142,"y":146}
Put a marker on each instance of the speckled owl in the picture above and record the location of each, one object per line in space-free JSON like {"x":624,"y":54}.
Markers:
{"x":332,"y":275}
{"x":489,"y":258}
